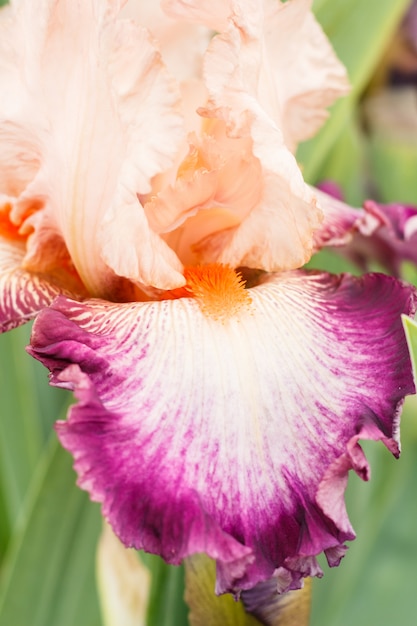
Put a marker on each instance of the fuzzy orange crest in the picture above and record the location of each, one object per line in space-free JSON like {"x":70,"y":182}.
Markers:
{"x":219,"y":290}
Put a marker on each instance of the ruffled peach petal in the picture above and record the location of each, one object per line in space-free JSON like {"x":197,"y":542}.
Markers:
{"x":108,"y":125}
{"x":217,"y":186}
{"x":299,"y":75}
{"x":135,"y":251}
{"x":247,"y":204}
{"x":245,"y":82}
{"x":213,"y":14}
{"x":181,"y":44}
{"x":218,"y":171}
{"x":307,"y":75}
{"x":167,"y":211}
{"x":278,"y":234}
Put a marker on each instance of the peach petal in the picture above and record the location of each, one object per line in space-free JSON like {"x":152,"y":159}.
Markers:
{"x":95,"y":95}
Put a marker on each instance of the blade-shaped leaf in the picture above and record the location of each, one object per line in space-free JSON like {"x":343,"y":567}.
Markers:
{"x":5,"y":524}
{"x":345,"y":162}
{"x":28,"y":409}
{"x":394,"y":166}
{"x":166,"y":605}
{"x":360,"y":32}
{"x":49,"y":574}
{"x":410,"y":327}
{"x":409,"y":272}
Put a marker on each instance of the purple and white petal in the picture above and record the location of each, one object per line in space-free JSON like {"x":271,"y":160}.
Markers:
{"x":22,"y":294}
{"x":340,"y":221}
{"x":232,"y":437}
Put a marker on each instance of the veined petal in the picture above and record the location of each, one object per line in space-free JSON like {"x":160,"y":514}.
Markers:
{"x":232,"y":436}
{"x":340,"y":221}
{"x":22,"y":294}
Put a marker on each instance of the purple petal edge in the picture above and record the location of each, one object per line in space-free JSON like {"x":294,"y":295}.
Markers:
{"x":151,"y":509}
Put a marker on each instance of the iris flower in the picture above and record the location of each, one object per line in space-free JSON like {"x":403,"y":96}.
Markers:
{"x":148,"y":177}
{"x":381,"y":233}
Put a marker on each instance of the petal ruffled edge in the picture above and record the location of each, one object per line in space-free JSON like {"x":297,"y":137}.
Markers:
{"x":155,"y":476}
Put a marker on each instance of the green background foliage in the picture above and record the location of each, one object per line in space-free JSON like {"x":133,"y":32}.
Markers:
{"x":48,"y":527}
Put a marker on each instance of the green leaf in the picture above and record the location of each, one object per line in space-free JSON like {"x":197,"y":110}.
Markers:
{"x":410,"y":327}
{"x":28,"y":410}
{"x":394,"y":166}
{"x":345,"y":162}
{"x":49,"y":576}
{"x":166,"y":599}
{"x":409,"y":272}
{"x":5,"y":523}
{"x":359,"y":32}
{"x":329,"y":261}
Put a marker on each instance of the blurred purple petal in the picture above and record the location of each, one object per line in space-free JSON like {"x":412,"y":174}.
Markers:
{"x":272,"y":608}
{"x":340,"y":222}
{"x":382,"y":233}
